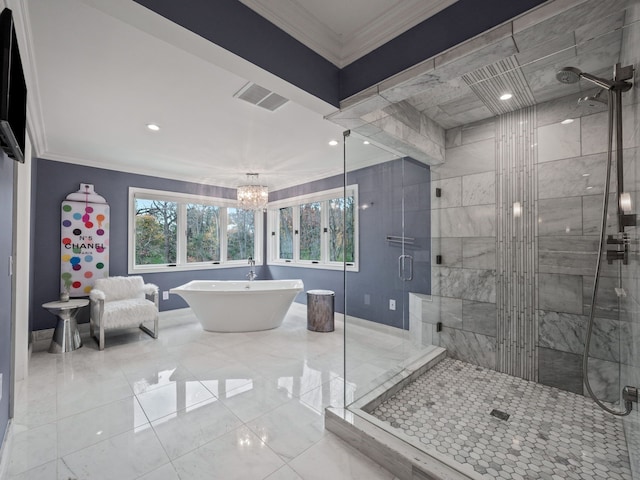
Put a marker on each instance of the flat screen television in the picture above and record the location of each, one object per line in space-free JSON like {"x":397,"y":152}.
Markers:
{"x":13,"y":91}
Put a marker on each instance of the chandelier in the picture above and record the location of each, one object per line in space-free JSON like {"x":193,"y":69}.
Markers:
{"x":253,"y":196}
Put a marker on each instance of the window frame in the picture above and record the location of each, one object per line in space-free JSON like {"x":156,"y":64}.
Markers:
{"x":182,"y":199}
{"x":273,"y":232}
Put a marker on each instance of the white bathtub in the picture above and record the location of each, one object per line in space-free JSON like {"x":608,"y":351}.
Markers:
{"x":239,"y":306}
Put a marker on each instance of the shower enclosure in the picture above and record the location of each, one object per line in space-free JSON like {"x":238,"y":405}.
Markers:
{"x":491,"y":197}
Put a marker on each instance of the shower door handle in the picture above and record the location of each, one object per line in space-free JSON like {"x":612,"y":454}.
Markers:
{"x":401,"y":269}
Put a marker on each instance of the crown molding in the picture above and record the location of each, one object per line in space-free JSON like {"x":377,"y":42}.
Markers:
{"x":150,"y":172}
{"x":395,"y":21}
{"x":298,"y":22}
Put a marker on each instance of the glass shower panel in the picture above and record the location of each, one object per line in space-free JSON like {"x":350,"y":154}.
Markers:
{"x":630,"y":273}
{"x":393,"y":247}
{"x":515,"y":215}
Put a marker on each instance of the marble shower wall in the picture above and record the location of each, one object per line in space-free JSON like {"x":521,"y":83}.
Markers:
{"x":570,"y":172}
{"x":463,"y":288}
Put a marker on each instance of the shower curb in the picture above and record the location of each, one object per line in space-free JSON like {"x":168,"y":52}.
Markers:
{"x":371,"y":437}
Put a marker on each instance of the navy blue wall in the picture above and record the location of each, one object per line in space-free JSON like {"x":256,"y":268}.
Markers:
{"x":381,"y":189}
{"x":6,"y":250}
{"x":54,"y":181}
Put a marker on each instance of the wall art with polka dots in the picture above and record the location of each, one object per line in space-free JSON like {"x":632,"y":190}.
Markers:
{"x":84,"y":245}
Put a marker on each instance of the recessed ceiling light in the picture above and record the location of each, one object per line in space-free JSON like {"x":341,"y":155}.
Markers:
{"x":589,"y":187}
{"x":505,"y":96}
{"x":567,"y":121}
{"x":333,"y":143}
{"x":366,"y":142}
{"x":586,"y":174}
{"x":153,"y":127}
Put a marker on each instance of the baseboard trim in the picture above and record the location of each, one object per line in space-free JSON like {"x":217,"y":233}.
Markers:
{"x":83,"y":328}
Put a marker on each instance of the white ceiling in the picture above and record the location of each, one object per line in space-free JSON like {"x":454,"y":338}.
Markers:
{"x":98,"y":72}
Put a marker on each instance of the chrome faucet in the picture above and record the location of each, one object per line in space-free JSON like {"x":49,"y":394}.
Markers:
{"x":252,"y":265}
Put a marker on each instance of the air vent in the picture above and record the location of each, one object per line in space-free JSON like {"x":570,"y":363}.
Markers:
{"x":260,"y":96}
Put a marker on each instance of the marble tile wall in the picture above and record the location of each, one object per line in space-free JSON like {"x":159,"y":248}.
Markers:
{"x":571,"y":174}
{"x":570,"y":170}
{"x":463,"y":291}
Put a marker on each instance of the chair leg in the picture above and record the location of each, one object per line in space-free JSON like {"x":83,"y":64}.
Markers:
{"x":101,"y":340}
{"x":152,"y":333}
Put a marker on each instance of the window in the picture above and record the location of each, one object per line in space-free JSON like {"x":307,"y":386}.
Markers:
{"x":285,"y":232}
{"x":241,"y":234}
{"x":341,"y":231}
{"x":156,"y":229}
{"x":203,"y":233}
{"x":317,"y":230}
{"x":180,"y":231}
{"x":310,"y":225}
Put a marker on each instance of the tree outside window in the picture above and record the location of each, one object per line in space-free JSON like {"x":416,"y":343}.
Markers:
{"x":203,"y":233}
{"x":341,"y":229}
{"x":240,"y":234}
{"x":310,"y":231}
{"x":156,"y":232}
{"x":285,"y":223}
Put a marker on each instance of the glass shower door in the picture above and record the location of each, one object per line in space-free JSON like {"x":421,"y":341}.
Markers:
{"x":393,"y":261}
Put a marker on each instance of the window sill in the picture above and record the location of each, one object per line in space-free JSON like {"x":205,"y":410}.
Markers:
{"x":319,"y":266}
{"x":186,"y":268}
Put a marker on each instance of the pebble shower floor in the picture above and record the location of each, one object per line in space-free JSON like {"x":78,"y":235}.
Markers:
{"x":549,"y":433}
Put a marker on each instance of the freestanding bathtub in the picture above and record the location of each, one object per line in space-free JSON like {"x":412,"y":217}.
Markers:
{"x":239,"y":306}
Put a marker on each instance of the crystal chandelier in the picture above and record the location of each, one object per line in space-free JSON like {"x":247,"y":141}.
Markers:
{"x":253,"y":196}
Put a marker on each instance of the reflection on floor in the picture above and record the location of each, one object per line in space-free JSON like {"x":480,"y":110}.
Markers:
{"x":506,"y":427}
{"x":193,"y":405}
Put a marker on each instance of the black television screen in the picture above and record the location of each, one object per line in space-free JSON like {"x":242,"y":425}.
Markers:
{"x":13,"y":91}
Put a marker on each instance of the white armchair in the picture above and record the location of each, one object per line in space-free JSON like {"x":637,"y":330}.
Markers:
{"x":123,"y":302}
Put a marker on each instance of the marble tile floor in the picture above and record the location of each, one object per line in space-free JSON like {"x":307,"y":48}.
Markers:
{"x":550,"y":434}
{"x":195,"y":404}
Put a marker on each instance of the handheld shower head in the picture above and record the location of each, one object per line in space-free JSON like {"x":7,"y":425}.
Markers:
{"x":573,"y":75}
{"x":568,"y":75}
{"x":593,"y":100}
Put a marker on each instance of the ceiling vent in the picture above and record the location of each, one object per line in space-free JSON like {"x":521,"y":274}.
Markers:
{"x":260,"y":96}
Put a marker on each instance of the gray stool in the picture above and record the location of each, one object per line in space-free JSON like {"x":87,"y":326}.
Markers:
{"x":320,"y":312}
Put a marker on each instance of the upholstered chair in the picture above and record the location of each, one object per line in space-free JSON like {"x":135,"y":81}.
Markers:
{"x":123,"y":302}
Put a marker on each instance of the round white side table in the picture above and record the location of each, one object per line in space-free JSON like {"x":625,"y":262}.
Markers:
{"x":66,"y":337}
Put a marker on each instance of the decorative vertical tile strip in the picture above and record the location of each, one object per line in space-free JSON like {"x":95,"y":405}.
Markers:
{"x":516,"y":221}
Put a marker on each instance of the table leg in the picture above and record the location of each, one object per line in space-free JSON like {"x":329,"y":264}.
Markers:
{"x":66,"y":337}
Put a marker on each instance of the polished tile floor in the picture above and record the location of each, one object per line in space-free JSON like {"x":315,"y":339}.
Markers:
{"x":194,"y":404}
{"x":549,"y":434}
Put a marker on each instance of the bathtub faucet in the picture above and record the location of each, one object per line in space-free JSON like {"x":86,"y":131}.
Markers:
{"x":252,"y":265}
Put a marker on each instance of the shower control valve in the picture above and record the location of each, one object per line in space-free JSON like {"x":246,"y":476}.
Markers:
{"x":622,"y":240}
{"x":618,"y":255}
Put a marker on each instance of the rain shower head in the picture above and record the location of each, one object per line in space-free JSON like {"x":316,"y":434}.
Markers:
{"x":573,"y":75}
